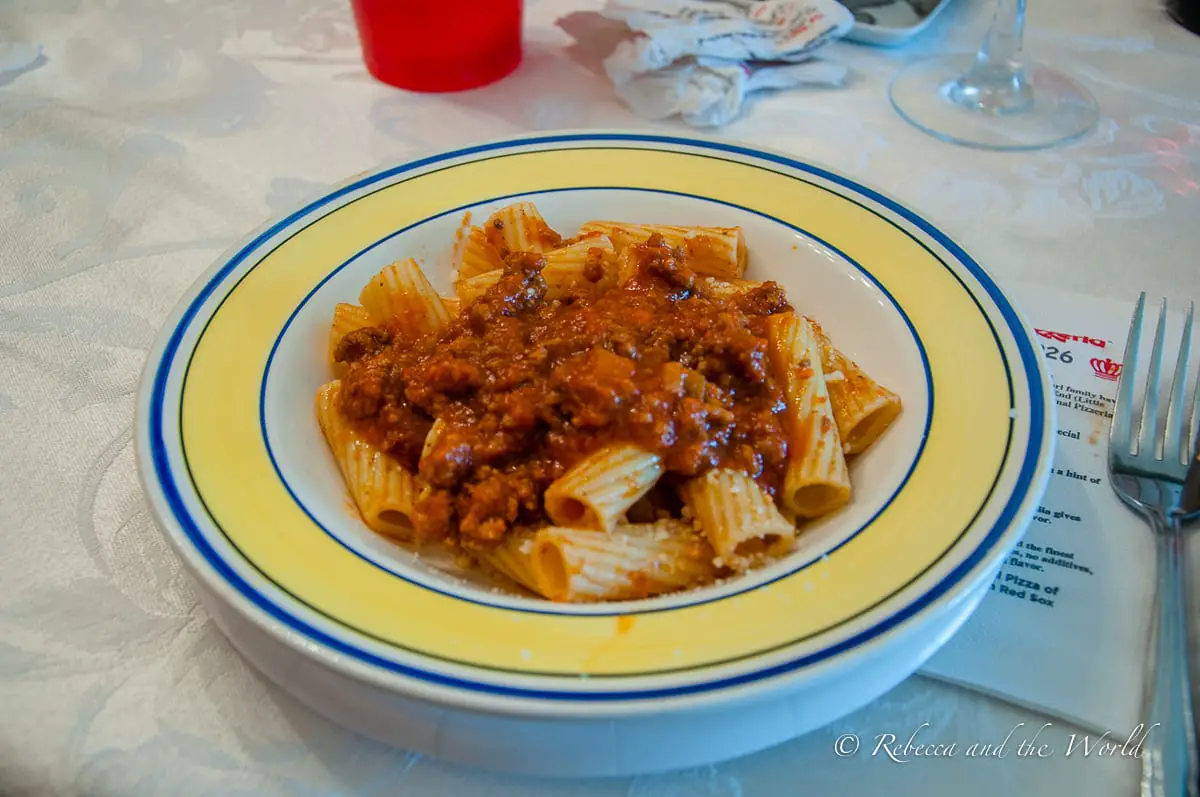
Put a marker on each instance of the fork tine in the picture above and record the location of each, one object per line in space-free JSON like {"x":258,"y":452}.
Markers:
{"x":1177,"y":445}
{"x":1120,"y":435}
{"x":1194,"y":432}
{"x":1148,"y":434}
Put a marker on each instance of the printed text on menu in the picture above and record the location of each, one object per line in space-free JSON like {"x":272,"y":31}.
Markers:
{"x":1043,"y":567}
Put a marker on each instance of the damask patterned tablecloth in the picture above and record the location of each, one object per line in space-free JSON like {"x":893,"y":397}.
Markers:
{"x":149,"y":135}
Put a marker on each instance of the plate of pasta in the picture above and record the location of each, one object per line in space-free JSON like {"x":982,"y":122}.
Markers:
{"x":526,"y":454}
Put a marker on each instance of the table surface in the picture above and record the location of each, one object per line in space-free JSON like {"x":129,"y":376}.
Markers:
{"x":151,"y":135}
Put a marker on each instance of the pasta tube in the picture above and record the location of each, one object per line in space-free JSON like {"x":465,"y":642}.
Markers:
{"x":738,"y":517}
{"x":476,"y":255}
{"x":596,"y":492}
{"x":587,"y":262}
{"x":382,"y":489}
{"x":401,"y":292}
{"x":863,"y":408}
{"x":470,"y":289}
{"x":727,"y":289}
{"x":519,"y":227}
{"x":431,"y":437}
{"x":626,"y":266}
{"x":513,"y":558}
{"x":715,"y":251}
{"x":631,"y":561}
{"x":346,"y":318}
{"x":816,"y":480}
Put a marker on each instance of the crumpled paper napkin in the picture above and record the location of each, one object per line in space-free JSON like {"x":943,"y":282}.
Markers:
{"x":700,"y":58}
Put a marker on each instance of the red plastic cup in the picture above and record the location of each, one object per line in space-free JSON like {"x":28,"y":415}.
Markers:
{"x":439,"y":45}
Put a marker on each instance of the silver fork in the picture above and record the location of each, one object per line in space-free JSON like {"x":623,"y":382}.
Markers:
{"x":1148,"y":471}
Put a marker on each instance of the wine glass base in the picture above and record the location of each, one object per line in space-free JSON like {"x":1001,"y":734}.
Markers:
{"x":1060,"y":110}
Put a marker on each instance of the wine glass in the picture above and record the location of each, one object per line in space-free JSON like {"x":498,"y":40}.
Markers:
{"x":994,"y":99}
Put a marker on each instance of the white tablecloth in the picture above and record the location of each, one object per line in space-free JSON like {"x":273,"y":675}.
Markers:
{"x":151,"y":134}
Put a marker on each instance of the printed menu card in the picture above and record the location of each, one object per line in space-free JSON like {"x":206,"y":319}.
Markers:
{"x":1065,"y":625}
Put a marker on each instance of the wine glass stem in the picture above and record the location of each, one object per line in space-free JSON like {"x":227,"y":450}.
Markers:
{"x":996,"y":83}
{"x":1002,"y":45}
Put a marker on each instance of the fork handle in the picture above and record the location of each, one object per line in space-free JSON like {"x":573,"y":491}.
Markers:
{"x":1169,"y":758}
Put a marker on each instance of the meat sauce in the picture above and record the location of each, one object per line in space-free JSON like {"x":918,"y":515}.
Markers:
{"x":526,"y":387}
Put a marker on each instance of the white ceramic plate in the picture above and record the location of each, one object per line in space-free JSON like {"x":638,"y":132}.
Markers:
{"x":419,"y":656}
{"x":894,"y":24}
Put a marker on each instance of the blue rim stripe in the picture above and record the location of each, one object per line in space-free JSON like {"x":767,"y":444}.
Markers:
{"x":1021,"y":488}
{"x":624,"y":675}
{"x":262,"y":408}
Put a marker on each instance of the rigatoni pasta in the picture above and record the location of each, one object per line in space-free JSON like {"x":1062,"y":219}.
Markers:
{"x":520,"y":228}
{"x":471,"y":288}
{"x":738,"y":517}
{"x":475,"y":255}
{"x":513,"y":559}
{"x":715,"y":251}
{"x":382,"y":489}
{"x":346,"y":319}
{"x":402,"y":294}
{"x":630,"y":561}
{"x":816,"y":480}
{"x":589,"y":263}
{"x":596,"y":492}
{"x":573,"y":390}
{"x":862,"y":407}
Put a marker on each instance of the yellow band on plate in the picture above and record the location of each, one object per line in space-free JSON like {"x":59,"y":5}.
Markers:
{"x":966,"y":444}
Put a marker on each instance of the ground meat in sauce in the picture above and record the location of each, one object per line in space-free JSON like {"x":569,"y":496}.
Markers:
{"x":525,"y":387}
{"x":766,"y":299}
{"x":593,"y":267}
{"x":358,"y":343}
